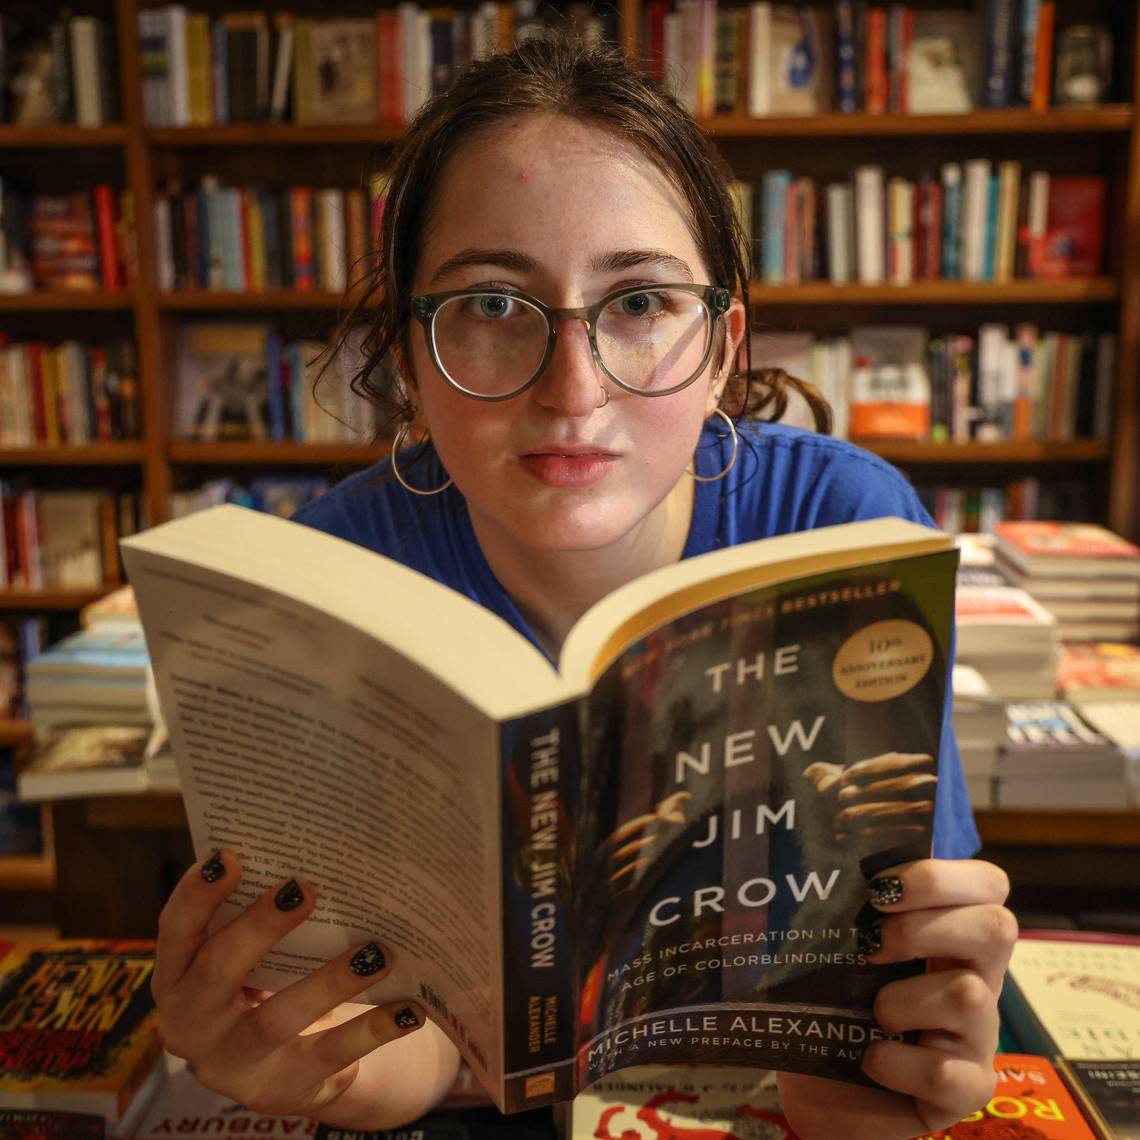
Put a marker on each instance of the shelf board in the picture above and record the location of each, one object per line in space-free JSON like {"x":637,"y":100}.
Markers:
{"x":33,"y":600}
{"x":71,"y":455}
{"x":1007,"y":451}
{"x":1024,"y":291}
{"x":14,"y":732}
{"x":811,"y":293}
{"x":48,"y":300}
{"x":283,"y":452}
{"x":216,"y":300}
{"x":1013,"y":121}
{"x":27,"y":873}
{"x":1075,"y":828}
{"x":65,"y":136}
{"x":276,"y":134}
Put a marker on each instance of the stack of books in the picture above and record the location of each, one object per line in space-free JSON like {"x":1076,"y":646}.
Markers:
{"x":979,"y":726}
{"x":79,"y":1038}
{"x":1086,"y":576}
{"x":1051,"y":758}
{"x":1068,"y":996}
{"x":1010,"y":639}
{"x":94,"y":676}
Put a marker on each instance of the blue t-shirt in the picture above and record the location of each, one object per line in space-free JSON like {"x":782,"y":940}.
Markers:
{"x":784,"y":480}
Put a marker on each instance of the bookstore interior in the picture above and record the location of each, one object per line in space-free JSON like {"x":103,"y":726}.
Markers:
{"x":942,"y":204}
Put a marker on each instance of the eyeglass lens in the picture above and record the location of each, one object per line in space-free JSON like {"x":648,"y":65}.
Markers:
{"x":491,"y":344}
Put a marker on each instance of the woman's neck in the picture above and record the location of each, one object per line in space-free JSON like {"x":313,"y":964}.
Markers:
{"x":554,"y":588}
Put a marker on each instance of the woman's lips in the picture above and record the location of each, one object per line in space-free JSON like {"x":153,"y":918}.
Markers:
{"x":568,"y":468}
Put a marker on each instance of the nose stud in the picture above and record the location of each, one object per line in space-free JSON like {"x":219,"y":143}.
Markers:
{"x":605,"y":396}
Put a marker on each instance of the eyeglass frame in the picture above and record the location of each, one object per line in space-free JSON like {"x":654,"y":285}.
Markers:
{"x":424,"y":308}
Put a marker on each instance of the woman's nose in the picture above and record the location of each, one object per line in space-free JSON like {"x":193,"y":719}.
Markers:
{"x":572,"y":382}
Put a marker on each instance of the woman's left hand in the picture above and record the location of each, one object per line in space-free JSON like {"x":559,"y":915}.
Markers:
{"x":952,"y":914}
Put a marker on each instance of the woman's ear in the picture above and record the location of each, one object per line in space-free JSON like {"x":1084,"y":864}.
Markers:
{"x":733,"y":327}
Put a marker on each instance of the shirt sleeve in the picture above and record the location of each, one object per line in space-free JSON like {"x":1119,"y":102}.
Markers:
{"x":955,"y":833}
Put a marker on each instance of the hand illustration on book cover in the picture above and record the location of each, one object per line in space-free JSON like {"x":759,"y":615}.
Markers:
{"x":749,"y":1123}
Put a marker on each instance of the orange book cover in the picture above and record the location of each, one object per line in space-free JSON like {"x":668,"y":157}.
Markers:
{"x":1030,"y":1102}
{"x":876,"y":66}
{"x":1042,"y":76}
{"x":1065,"y":540}
{"x":78,"y":1029}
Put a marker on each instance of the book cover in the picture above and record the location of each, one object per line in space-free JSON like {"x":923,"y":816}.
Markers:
{"x":654,"y":853}
{"x":78,"y":1030}
{"x":1109,"y":1093}
{"x":106,"y":650}
{"x":1087,"y":668}
{"x":1030,"y":1102}
{"x":341,"y":59}
{"x":1051,"y":548}
{"x":86,"y":759}
{"x":223,"y":382}
{"x":1073,"y":242}
{"x":943,"y":62}
{"x":1075,"y":994}
{"x":678,"y":1101}
{"x":39,"y":1124}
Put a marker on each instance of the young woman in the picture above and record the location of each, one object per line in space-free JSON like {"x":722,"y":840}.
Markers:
{"x":561,"y":295}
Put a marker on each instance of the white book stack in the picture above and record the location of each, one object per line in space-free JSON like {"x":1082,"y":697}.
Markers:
{"x":1010,"y":639}
{"x":1087,"y":577}
{"x":1051,"y":758}
{"x":980,"y":725}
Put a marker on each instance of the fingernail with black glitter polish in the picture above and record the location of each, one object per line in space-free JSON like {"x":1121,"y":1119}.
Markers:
{"x":214,"y":868}
{"x":368,"y":960}
{"x":290,"y":896}
{"x":406,"y":1018}
{"x":886,"y":890}
{"x":870,"y":939}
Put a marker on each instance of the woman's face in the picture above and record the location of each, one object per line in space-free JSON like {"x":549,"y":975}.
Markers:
{"x":566,"y":212}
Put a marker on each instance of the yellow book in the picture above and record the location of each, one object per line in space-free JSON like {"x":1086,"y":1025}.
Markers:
{"x":199,"y":64}
{"x":255,"y":221}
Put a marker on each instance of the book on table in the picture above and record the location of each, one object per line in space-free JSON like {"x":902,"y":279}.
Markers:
{"x":1073,"y":996}
{"x":658,"y":850}
{"x":78,"y":1031}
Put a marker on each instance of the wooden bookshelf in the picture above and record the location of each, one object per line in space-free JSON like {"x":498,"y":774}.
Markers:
{"x":267,"y":152}
{"x":1110,"y":119}
{"x":32,"y":601}
{"x":55,"y":301}
{"x":1061,"y":828}
{"x":126,"y":454}
{"x":260,"y":454}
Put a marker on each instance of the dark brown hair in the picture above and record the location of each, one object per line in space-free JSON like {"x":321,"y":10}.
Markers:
{"x":552,"y":73}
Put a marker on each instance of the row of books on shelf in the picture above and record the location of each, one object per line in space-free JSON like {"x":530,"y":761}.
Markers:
{"x":64,"y":74}
{"x":756,"y":58}
{"x":975,"y":510}
{"x":68,"y":393}
{"x":242,"y":381}
{"x":782,"y":59}
{"x":902,"y":382}
{"x":971,"y":223}
{"x":254,"y":238}
{"x":80,"y":241}
{"x":65,"y":540}
{"x":1066,"y":1068}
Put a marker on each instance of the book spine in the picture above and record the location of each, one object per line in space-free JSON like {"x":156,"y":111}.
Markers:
{"x":845,"y":56}
{"x":876,"y":62}
{"x":540,"y":986}
{"x":998,"y":53}
{"x":1043,"y":56}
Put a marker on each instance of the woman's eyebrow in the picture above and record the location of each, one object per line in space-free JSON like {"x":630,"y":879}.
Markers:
{"x":635,"y":258}
{"x":609,"y":262}
{"x":503,"y":258}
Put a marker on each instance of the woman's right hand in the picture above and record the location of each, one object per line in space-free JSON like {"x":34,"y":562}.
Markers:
{"x":300,"y":1051}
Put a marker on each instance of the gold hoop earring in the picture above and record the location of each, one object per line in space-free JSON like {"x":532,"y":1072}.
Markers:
{"x":397,"y":443}
{"x":691,"y":469}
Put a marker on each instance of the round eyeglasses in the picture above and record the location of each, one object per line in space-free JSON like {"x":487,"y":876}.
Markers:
{"x":492,"y":344}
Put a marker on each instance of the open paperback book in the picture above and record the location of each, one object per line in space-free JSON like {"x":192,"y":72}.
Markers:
{"x":657,"y":852}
